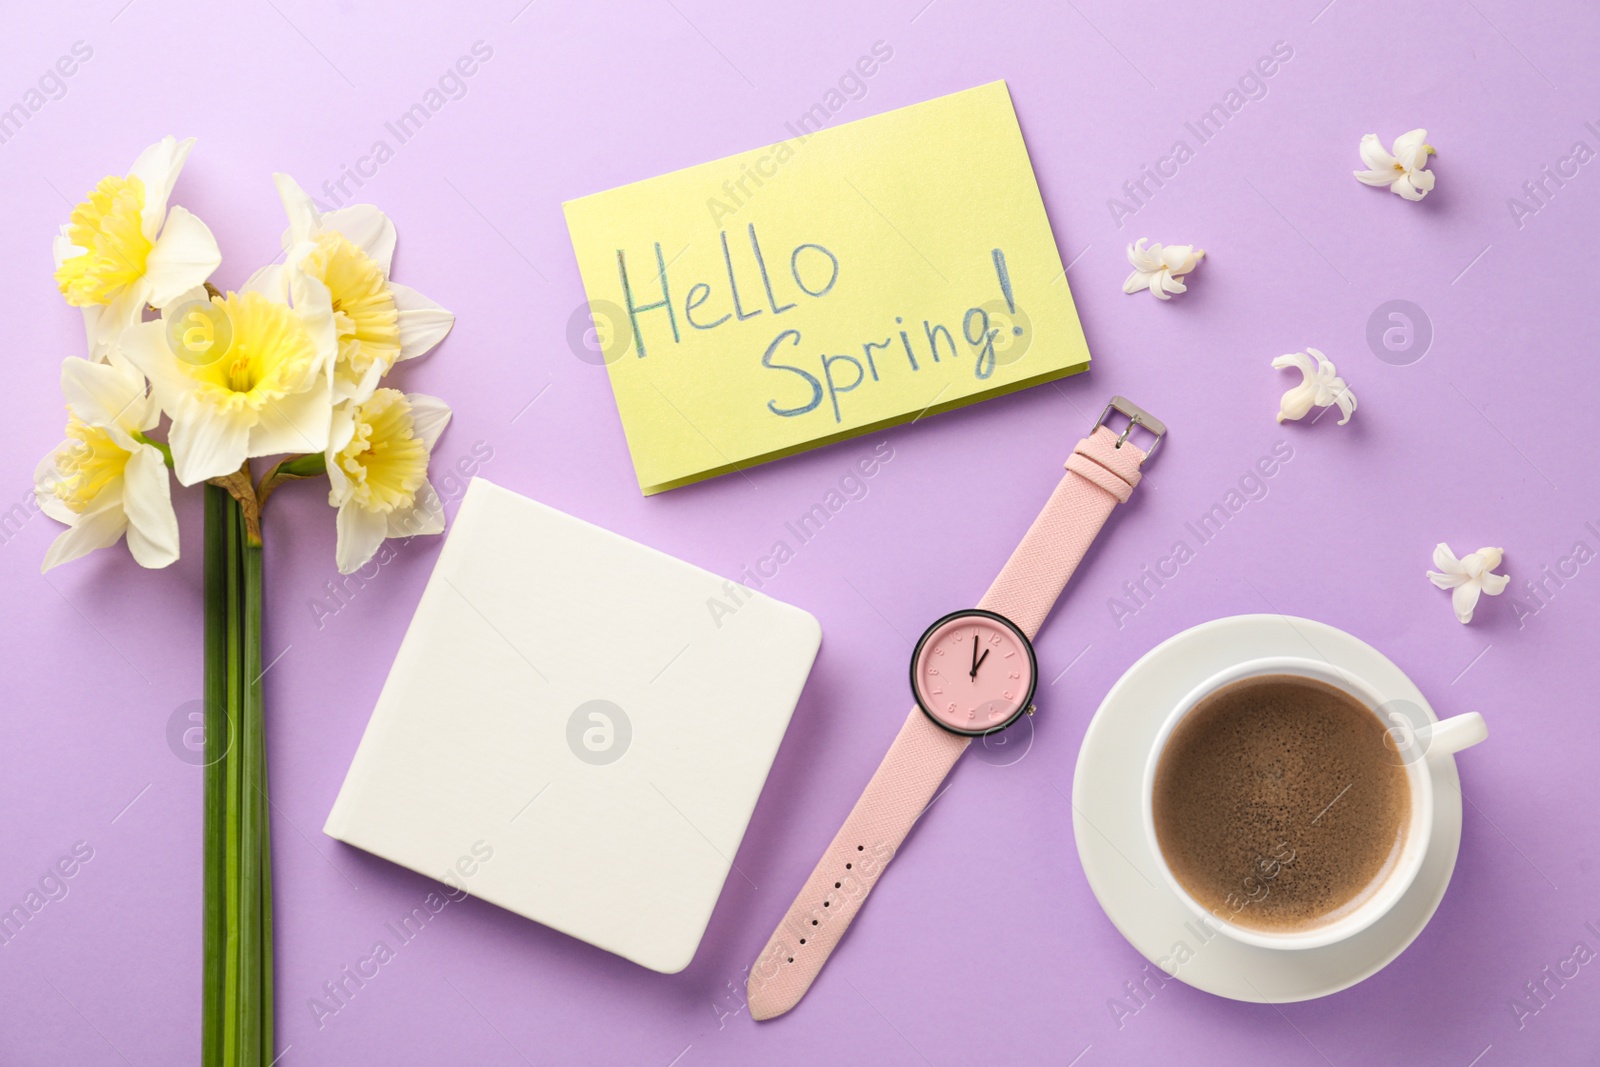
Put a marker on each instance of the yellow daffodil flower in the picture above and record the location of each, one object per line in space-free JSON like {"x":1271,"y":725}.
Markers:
{"x":106,"y":480}
{"x":258,"y":386}
{"x":378,"y":479}
{"x":379,"y":322}
{"x":125,"y":248}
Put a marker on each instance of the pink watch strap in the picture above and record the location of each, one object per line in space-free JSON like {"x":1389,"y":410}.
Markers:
{"x":1101,"y":473}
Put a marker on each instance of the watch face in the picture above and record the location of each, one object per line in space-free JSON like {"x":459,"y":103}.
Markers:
{"x":973,"y":672}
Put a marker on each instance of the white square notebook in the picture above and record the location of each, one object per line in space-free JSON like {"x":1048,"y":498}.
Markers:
{"x":570,"y":731}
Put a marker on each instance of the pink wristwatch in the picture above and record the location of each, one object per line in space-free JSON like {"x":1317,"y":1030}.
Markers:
{"x":973,"y":673}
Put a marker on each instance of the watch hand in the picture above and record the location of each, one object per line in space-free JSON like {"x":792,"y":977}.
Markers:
{"x":973,"y":673}
{"x":978,"y":664}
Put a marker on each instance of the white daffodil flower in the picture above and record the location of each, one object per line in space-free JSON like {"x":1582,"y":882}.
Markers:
{"x":378,"y":479}
{"x":259,"y":386}
{"x":125,"y":248}
{"x":105,"y":480}
{"x":1158,"y":268}
{"x":1468,"y":577}
{"x":379,"y":322}
{"x":1319,"y":387}
{"x":1404,"y":171}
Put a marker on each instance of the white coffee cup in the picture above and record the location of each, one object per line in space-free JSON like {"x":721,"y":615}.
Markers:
{"x":1417,"y":738}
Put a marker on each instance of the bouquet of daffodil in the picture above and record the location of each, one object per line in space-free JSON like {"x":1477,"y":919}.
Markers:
{"x":290,"y":366}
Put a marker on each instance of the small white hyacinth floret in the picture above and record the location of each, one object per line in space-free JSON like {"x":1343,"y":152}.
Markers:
{"x":1320,"y":386}
{"x":1403,"y":171}
{"x":1468,"y":577}
{"x":1159,"y":267}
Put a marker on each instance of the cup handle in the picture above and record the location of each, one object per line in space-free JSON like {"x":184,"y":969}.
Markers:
{"x":1449,"y":736}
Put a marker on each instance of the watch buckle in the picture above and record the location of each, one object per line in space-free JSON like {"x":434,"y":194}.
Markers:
{"x":1137,"y":416}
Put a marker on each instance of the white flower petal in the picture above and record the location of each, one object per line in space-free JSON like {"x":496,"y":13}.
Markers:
{"x":98,"y":350}
{"x":183,"y":256}
{"x":1402,"y":186}
{"x":92,"y":530}
{"x":314,"y":304}
{"x":303,"y":218}
{"x":359,"y":535}
{"x":107,"y":394}
{"x":296,"y":423}
{"x":1446,"y":581}
{"x":1376,"y":177}
{"x":1347,"y":404}
{"x":342,"y":427}
{"x":147,"y":501}
{"x":1407,"y":144}
{"x":1177,"y":258}
{"x":1136,"y":281}
{"x":1464,"y":598}
{"x":45,"y":476}
{"x":271,"y":282}
{"x":1295,"y":359}
{"x":63,"y":249}
{"x":1295,"y":403}
{"x":125,"y":310}
{"x":1142,"y":259}
{"x":1374,"y":156}
{"x":360,"y":390}
{"x":205,"y":443}
{"x":368,"y":229}
{"x":429,"y":415}
{"x":158,"y":167}
{"x":425,"y":516}
{"x":423,"y":324}
{"x":145,"y":346}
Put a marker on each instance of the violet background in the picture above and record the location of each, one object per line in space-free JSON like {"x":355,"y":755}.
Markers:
{"x":984,"y":943}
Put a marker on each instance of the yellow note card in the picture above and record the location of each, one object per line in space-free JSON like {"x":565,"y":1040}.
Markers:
{"x":827,"y":286}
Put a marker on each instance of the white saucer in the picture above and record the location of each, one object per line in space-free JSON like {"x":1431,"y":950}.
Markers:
{"x":1122,"y":871}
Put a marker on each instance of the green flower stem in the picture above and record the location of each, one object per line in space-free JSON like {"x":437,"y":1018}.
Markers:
{"x":234,"y":965}
{"x":306,"y":466}
{"x":237,"y":1020}
{"x":256,"y":1030}
{"x":218,"y":517}
{"x":159,"y":446}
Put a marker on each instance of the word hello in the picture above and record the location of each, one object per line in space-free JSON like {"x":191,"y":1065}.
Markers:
{"x":451,"y":85}
{"x":1537,"y":993}
{"x":1543,"y":189}
{"x":51,"y":85}
{"x":850,"y":86}
{"x":1251,"y":486}
{"x":804,"y":529}
{"x":813,"y":272}
{"x":52,"y":887}
{"x":1251,"y":85}
{"x":1536,"y":594}
{"x":338,"y":992}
